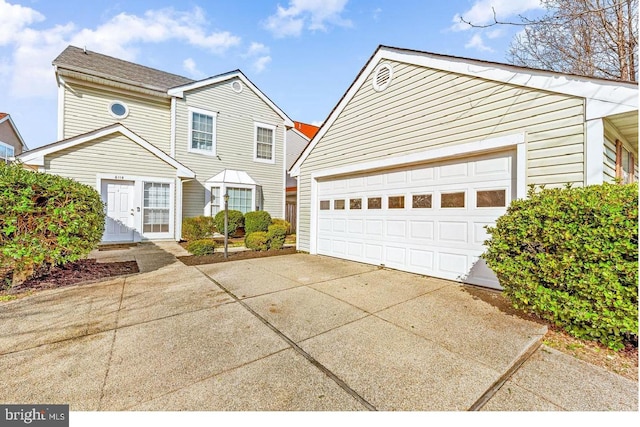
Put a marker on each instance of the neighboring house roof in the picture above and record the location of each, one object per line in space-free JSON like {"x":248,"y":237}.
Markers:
{"x":236,"y":74}
{"x":604,"y":98}
{"x":308,"y":130}
{"x":106,"y":67}
{"x":36,"y":156}
{"x":5,"y":117}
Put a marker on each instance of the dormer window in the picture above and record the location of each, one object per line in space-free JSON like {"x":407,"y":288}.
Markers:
{"x":202,"y":131}
{"x":118,"y":109}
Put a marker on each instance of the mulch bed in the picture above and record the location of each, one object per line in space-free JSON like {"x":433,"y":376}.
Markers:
{"x":234,"y":256}
{"x":81,"y":271}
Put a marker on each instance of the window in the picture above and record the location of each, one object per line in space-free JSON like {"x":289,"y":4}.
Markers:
{"x":491,"y":198}
{"x":452,"y":200}
{"x":625,"y":164}
{"x":156,"y":207}
{"x":374,"y":203}
{"x":202,"y":132}
{"x":338,"y":204}
{"x":240,"y":199}
{"x":118,"y":109}
{"x":215,"y":200}
{"x":265,"y":141}
{"x":325,"y":205}
{"x":396,"y":202}
{"x":355,"y":204}
{"x":6,"y":152}
{"x":421,"y":201}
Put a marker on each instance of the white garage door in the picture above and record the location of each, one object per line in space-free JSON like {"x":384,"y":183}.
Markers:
{"x":425,"y":219}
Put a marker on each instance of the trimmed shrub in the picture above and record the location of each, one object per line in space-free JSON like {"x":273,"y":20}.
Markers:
{"x":256,"y":221}
{"x":571,"y":256}
{"x":235,"y":221}
{"x":257,"y":241}
{"x":276,"y":235}
{"x":283,"y":222}
{"x":45,"y":220}
{"x":196,"y":228}
{"x":201,"y":246}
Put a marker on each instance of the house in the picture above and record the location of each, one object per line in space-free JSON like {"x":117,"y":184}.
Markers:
{"x":424,"y":150}
{"x":161,"y":147}
{"x":11,"y":142}
{"x":298,"y":138}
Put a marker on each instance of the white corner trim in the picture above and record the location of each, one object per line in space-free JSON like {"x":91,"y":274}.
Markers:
{"x":61,"y":101}
{"x":450,"y":151}
{"x":594,"y":152}
{"x":173,"y":112}
{"x":313,"y":220}
{"x":178,"y":205}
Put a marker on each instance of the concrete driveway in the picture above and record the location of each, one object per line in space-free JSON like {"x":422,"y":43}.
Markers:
{"x":287,"y":333}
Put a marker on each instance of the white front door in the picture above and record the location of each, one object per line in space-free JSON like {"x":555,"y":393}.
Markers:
{"x":119,"y":223}
{"x":425,"y":219}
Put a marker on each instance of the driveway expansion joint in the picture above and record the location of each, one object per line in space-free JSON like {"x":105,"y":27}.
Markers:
{"x":296,"y":347}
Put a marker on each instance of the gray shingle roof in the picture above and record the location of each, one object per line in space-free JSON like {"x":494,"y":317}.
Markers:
{"x":88,"y":62}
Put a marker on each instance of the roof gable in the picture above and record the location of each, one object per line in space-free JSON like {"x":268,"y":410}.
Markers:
{"x":236,"y":74}
{"x":603,"y":97}
{"x":36,"y":156}
{"x":4,"y":117}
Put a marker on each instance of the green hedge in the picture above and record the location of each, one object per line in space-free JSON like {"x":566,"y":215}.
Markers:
{"x":196,"y":228}
{"x":276,"y":235}
{"x":45,"y":220}
{"x":571,"y":256}
{"x":256,"y":221}
{"x":279,"y":221}
{"x":257,"y":241}
{"x":235,"y":221}
{"x":201,"y":246}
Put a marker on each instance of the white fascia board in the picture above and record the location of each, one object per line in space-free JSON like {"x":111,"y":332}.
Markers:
{"x":180,"y":90}
{"x":37,"y":156}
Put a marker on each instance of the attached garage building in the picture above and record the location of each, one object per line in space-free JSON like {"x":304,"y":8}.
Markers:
{"x":423,"y":151}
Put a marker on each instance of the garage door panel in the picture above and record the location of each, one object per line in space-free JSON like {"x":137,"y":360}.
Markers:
{"x":427,"y":238}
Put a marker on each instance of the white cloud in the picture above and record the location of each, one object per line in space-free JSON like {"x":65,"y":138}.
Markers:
{"x":317,"y":123}
{"x":310,"y":14}
{"x":189,"y":65}
{"x":477,"y":43}
{"x":257,"y":49}
{"x":481,"y":13}
{"x":260,"y":55}
{"x":31,"y":73}
{"x":260,"y":64}
{"x":376,"y":14}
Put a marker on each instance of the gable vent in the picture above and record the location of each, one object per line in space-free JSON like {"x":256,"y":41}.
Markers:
{"x":382,"y":77}
{"x":236,"y":86}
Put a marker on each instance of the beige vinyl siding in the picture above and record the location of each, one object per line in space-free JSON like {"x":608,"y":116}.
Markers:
{"x":9,"y":137}
{"x":425,"y":108}
{"x":87,"y":109}
{"x":609,"y":160}
{"x":237,"y":115}
{"x":611,"y":134}
{"x":114,"y":154}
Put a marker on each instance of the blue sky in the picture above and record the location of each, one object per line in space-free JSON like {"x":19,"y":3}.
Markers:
{"x":303,"y":54}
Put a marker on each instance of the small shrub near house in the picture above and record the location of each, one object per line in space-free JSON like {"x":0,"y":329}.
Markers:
{"x":45,"y":221}
{"x":235,"y":221}
{"x":196,"y":228}
{"x":283,"y":222}
{"x":256,"y":221}
{"x":201,"y":247}
{"x":276,"y":236}
{"x":571,"y":256}
{"x":257,"y":241}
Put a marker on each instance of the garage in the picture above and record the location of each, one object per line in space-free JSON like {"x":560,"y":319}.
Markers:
{"x":427,"y":219}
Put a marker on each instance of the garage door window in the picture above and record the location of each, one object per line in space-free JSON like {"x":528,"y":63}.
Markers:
{"x":452,"y":200}
{"x":491,"y":198}
{"x":355,"y":204}
{"x":338,"y":204}
{"x":325,"y":205}
{"x":421,"y":201}
{"x":374,"y":203}
{"x":396,"y":202}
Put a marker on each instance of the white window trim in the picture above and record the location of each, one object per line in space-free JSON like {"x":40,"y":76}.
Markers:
{"x":212,"y":114}
{"x":255,"y":143}
{"x":126,"y":109}
{"x":223,"y":191}
{"x":9,"y":158}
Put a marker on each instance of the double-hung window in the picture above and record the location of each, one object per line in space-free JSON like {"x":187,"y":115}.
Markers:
{"x":202,"y":131}
{"x":6,"y":152}
{"x":264,"y":150}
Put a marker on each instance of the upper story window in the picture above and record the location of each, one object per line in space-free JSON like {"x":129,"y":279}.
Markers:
{"x":118,"y":109}
{"x":202,"y":131}
{"x":264,"y":143}
{"x":6,"y":152}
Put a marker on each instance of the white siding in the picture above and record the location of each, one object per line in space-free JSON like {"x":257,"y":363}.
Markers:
{"x":425,"y":108}
{"x":237,"y":114}
{"x":87,"y":109}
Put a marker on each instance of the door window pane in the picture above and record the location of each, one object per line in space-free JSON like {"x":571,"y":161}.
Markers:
{"x":325,"y":205}
{"x":452,"y":200}
{"x":422,"y":201}
{"x":374,"y":203}
{"x":396,"y":202}
{"x":355,"y":204}
{"x":156,"y":207}
{"x":491,"y":198}
{"x":338,"y":204}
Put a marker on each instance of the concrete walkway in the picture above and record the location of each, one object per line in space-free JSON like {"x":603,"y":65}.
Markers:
{"x":286,"y":333}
